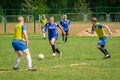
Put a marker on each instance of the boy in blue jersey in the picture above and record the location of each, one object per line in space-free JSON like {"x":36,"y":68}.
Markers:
{"x":20,"y":43}
{"x":65,"y":23}
{"x":99,"y":29}
{"x":51,"y":26}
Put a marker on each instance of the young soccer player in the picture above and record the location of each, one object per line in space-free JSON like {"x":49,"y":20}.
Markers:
{"x":20,"y":43}
{"x":65,"y":23}
{"x":42,"y":24}
{"x":99,"y":29}
{"x":51,"y":26}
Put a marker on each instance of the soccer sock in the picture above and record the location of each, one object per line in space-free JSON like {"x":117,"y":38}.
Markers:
{"x":53,"y":48}
{"x":29,"y":60}
{"x":66,"y":39}
{"x":43,"y":35}
{"x":57,"y":50}
{"x":103,"y":50}
{"x":17,"y":61}
{"x":106,"y":51}
{"x":62,"y":36}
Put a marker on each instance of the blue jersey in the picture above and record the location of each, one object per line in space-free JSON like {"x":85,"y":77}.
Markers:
{"x":52,"y":29}
{"x":65,"y":24}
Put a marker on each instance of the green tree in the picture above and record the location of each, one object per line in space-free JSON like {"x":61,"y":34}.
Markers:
{"x":30,"y":5}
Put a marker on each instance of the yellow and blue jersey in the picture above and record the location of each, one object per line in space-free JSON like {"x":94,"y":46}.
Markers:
{"x":17,"y":42}
{"x":43,"y":22}
{"x":18,"y":31}
{"x":99,"y":30}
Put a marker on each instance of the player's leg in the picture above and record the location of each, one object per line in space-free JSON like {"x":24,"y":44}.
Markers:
{"x":63,"y":36}
{"x":22,"y":47}
{"x":29,"y":60}
{"x":54,"y":48}
{"x":43,"y":33}
{"x":44,"y":36}
{"x":101,"y":46}
{"x":107,"y":53}
{"x":66,"y":36}
{"x":52,"y":43}
{"x":17,"y":60}
{"x":19,"y":54}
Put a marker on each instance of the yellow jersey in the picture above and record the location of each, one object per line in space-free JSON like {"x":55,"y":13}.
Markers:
{"x":18,"y":31}
{"x":43,"y":22}
{"x":99,"y":30}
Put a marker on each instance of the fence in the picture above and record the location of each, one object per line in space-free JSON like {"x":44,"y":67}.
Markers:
{"x":8,"y":18}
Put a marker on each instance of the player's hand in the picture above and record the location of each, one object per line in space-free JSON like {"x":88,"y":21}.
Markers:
{"x":110,"y":33}
{"x":64,"y":32}
{"x":44,"y":31}
{"x":87,"y":31}
{"x":26,"y":42}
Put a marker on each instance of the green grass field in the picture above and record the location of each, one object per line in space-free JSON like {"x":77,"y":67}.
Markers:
{"x":81,"y":60}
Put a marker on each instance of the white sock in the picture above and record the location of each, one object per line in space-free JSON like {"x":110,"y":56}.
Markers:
{"x":43,"y":35}
{"x":17,"y":61}
{"x":29,"y":60}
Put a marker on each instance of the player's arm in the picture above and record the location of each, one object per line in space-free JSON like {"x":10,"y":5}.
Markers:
{"x":61,"y":23}
{"x":108,"y":29}
{"x":45,"y":28}
{"x":90,"y":32}
{"x":69,"y":25}
{"x":25,"y":35}
{"x":40,"y":23}
{"x":61,"y":28}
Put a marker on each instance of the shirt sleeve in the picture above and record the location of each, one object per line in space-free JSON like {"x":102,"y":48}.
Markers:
{"x":100,"y":25}
{"x":23,"y":27}
{"x":61,"y":22}
{"x":69,"y":22}
{"x":57,"y":25}
{"x":92,"y":30}
{"x":45,"y":27}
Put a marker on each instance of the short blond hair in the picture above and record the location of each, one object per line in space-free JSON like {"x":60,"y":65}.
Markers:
{"x":20,"y":18}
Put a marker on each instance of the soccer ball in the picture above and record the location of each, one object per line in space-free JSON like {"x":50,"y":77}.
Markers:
{"x":40,"y":56}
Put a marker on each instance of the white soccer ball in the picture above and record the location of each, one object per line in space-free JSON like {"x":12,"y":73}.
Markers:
{"x":40,"y":56}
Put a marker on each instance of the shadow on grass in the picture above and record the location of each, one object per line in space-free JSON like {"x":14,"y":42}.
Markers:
{"x":90,"y":59}
{"x":84,"y":59}
{"x":4,"y":70}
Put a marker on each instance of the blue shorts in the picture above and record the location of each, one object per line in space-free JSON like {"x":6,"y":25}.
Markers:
{"x":55,"y":37}
{"x":19,"y":45}
{"x":102,"y":41}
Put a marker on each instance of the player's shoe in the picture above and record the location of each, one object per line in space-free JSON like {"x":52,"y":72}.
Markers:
{"x":31,"y":69}
{"x":44,"y":37}
{"x":107,"y":56}
{"x":53,"y":55}
{"x":16,"y":68}
{"x":60,"y":55}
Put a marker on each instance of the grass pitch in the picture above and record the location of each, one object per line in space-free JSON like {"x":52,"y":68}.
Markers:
{"x":81,"y":60}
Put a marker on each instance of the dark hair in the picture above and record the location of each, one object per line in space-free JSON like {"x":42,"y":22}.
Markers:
{"x":94,"y":19}
{"x":51,"y":16}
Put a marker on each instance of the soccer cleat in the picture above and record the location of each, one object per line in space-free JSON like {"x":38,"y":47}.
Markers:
{"x":107,"y":57}
{"x":16,"y":68}
{"x":60,"y":55}
{"x":31,"y":69}
{"x":44,"y":38}
{"x":53,"y":54}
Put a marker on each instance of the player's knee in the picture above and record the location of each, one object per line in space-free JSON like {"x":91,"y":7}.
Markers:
{"x":98,"y":46}
{"x":26,"y":52}
{"x":52,"y":42}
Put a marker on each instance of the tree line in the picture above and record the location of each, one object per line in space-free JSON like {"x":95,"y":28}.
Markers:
{"x":62,"y":5}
